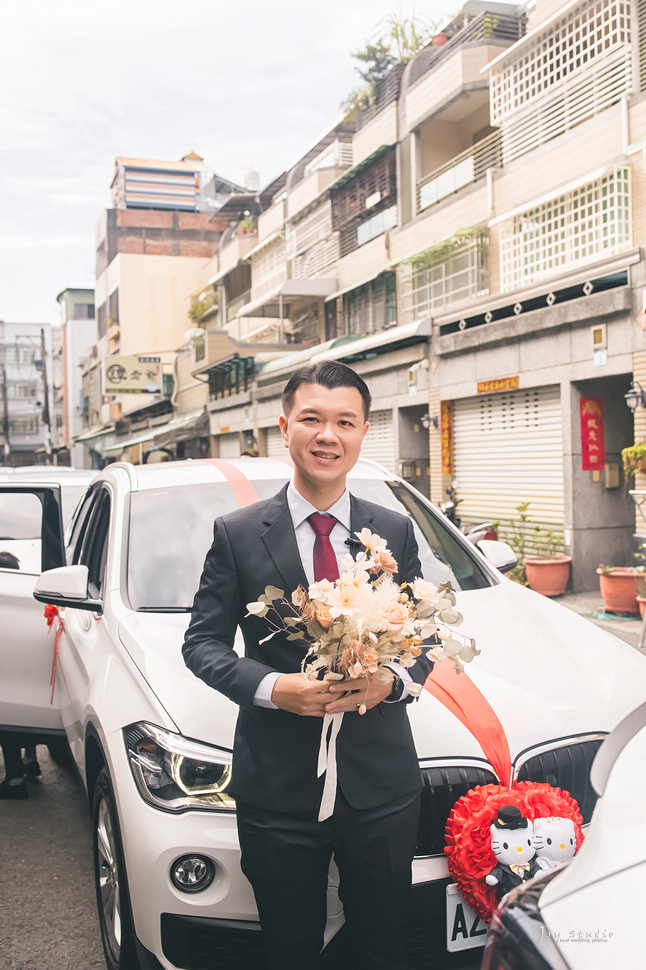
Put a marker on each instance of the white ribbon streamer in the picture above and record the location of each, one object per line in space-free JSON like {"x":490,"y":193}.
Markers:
{"x":327,"y":763}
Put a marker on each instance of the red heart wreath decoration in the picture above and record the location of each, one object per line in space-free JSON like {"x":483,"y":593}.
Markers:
{"x":468,"y":837}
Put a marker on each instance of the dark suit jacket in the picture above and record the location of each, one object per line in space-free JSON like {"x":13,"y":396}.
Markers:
{"x":275,"y":752}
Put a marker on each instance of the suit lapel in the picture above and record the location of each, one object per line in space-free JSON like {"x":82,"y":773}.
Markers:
{"x":280,"y":542}
{"x":360,"y":516}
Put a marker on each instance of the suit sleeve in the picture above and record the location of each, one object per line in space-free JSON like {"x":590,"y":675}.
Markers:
{"x":208,"y":647}
{"x":409,"y":569}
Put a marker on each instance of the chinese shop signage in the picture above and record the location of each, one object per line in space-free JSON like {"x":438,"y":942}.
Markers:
{"x":498,"y":384}
{"x":446,"y":416}
{"x":132,"y":375}
{"x":593,"y":448}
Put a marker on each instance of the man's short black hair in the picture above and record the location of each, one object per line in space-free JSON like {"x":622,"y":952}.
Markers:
{"x":329,"y":374}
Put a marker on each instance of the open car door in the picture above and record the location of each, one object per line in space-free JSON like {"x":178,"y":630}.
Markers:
{"x":31,"y":540}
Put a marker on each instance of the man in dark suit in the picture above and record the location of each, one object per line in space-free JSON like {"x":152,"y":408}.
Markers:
{"x":372,"y":831}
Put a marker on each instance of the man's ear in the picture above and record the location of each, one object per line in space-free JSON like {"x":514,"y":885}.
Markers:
{"x":282,"y":422}
{"x":365,"y":428}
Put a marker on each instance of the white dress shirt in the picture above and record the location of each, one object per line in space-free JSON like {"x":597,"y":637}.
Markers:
{"x":300,"y":509}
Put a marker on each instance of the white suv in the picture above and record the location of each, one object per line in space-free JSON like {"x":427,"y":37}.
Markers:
{"x":153,"y":743}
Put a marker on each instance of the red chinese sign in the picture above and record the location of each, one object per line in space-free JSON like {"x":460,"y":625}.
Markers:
{"x":446,"y":414}
{"x":593,"y":447}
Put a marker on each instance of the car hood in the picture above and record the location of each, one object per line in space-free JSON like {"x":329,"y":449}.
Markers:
{"x":544,"y":674}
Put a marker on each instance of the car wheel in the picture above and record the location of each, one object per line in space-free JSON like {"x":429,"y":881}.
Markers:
{"x":112,"y":896}
{"x":59,"y":751}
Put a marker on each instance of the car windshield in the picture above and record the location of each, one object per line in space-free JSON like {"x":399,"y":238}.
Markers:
{"x":165,"y":563}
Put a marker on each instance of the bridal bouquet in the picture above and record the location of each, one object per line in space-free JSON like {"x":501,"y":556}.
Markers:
{"x":364,"y":620}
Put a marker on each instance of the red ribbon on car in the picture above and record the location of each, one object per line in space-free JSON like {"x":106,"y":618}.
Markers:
{"x":460,"y":695}
{"x":53,"y":617}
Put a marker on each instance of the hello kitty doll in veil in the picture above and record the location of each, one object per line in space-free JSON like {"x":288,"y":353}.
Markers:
{"x":554,"y":841}
{"x":512,"y":841}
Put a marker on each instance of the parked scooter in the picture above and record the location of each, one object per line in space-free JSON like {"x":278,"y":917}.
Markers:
{"x":474,"y":532}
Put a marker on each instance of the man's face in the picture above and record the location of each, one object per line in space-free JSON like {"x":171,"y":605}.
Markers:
{"x":324,"y":433}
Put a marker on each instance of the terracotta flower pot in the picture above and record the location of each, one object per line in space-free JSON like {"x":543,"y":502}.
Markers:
{"x":619,"y":589}
{"x":548,"y":576}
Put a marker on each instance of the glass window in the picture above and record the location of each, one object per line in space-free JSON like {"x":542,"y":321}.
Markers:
{"x":164,"y":566}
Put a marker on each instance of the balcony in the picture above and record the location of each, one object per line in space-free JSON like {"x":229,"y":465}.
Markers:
{"x":450,"y":273}
{"x":468,"y":167}
{"x":271,"y":220}
{"x":310,"y":188}
{"x":439,"y":75}
{"x":585,"y":222}
{"x":234,"y":246}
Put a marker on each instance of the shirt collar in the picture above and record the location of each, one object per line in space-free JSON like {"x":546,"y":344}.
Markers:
{"x":300,"y":508}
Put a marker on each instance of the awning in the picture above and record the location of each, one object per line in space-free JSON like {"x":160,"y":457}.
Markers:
{"x":360,"y":166}
{"x":96,"y":432}
{"x":284,"y":294}
{"x":417,"y":331}
{"x":177,"y":429}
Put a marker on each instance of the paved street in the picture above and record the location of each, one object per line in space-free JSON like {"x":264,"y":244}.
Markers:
{"x":48,"y":915}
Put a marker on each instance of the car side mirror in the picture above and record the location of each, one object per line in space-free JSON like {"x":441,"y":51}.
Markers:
{"x":66,"y":586}
{"x":498,"y":553}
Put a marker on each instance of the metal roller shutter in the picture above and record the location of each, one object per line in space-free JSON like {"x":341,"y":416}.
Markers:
{"x":379,"y":443}
{"x":229,"y":445}
{"x":275,"y":446}
{"x":508,"y":449}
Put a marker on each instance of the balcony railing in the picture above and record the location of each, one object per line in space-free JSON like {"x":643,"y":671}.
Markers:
{"x":486,"y":27}
{"x":460,"y":171}
{"x":456,"y":272}
{"x":235,"y":305}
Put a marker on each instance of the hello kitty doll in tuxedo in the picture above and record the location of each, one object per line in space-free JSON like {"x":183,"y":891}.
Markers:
{"x":554,"y":841}
{"x":512,"y":838}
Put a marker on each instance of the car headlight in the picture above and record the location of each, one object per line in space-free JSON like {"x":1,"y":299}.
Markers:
{"x":175,"y":774}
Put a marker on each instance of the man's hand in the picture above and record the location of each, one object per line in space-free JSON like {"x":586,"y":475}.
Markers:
{"x":292,"y":692}
{"x":369,"y":690}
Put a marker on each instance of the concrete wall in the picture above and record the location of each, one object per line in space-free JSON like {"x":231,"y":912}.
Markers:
{"x":601,"y":519}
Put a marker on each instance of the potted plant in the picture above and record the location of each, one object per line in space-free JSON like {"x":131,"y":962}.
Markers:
{"x":247,"y":226}
{"x":548,"y":570}
{"x":634,"y":458}
{"x":620,"y":586}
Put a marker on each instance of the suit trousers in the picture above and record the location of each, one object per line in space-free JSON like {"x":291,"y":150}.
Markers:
{"x":286,"y":857}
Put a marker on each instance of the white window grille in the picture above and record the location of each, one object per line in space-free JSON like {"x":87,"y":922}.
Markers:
{"x":21,"y":389}
{"x":23,"y":425}
{"x":584,"y":34}
{"x":577,"y":99}
{"x":462,"y":275}
{"x":571,"y":229}
{"x":336,"y":155}
{"x":268,"y":269}
{"x":311,"y":244}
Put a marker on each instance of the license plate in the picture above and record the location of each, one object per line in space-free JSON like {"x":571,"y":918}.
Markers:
{"x":463,"y":928}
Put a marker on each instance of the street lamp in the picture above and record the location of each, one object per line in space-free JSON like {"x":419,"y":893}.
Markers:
{"x":635,"y":398}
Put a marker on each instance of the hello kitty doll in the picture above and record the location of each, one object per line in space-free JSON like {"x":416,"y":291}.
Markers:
{"x":512,"y":842}
{"x":554,"y":841}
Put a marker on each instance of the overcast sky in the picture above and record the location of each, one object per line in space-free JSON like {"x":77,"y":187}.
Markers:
{"x":245,"y":84}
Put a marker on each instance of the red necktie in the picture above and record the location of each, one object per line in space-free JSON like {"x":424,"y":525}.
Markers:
{"x":325,"y":564}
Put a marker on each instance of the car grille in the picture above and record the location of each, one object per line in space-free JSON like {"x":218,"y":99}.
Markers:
{"x":566,"y":767}
{"x":443,"y":785}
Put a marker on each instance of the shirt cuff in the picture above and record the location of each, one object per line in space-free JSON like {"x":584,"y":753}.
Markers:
{"x":262,"y":697}
{"x":403,"y":674}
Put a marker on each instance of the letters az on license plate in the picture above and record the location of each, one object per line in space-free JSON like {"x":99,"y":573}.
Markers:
{"x":463,"y":928}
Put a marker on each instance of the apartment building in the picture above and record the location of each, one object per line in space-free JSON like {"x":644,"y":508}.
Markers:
{"x":472,"y":245}
{"x":26,"y":386}
{"x":77,"y":336}
{"x":151,"y":248}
